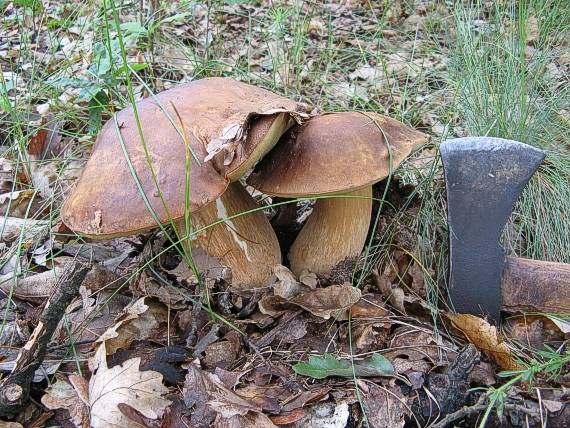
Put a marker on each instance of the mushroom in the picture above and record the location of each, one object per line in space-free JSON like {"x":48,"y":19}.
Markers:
{"x":227,"y":121}
{"x":334,"y":154}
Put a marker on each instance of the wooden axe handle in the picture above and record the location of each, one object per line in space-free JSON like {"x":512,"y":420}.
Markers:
{"x":535,"y":285}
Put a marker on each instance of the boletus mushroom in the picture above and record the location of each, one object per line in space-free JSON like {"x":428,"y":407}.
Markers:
{"x":137,"y":177}
{"x":334,"y":154}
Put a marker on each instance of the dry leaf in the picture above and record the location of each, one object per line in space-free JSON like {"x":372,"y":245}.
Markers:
{"x":367,"y":73}
{"x":413,"y":349}
{"x":333,"y":301}
{"x":250,"y":420}
{"x":330,"y":301}
{"x":141,"y":321}
{"x":287,"y":418}
{"x":533,"y":331}
{"x":267,"y":397}
{"x":287,"y":285}
{"x":330,"y":415}
{"x":33,"y":288}
{"x":6,"y":175}
{"x":28,"y":228}
{"x":273,"y":305}
{"x":562,"y":323}
{"x":486,"y":338}
{"x":307,"y":397}
{"x":384,"y":408}
{"x":146,"y":285}
{"x":93,"y":315}
{"x":43,"y":177}
{"x":18,"y":203}
{"x":552,"y":406}
{"x":369,"y":306}
{"x":62,"y":395}
{"x":124,"y":383}
{"x":205,"y":394}
{"x":220,"y":354}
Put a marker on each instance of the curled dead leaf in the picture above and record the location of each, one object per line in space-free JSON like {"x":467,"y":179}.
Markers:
{"x":486,"y":338}
{"x":334,"y":301}
{"x":369,"y":306}
{"x":63,"y":395}
{"x":287,"y":285}
{"x":141,"y":321}
{"x":249,"y":420}
{"x":208,"y":398}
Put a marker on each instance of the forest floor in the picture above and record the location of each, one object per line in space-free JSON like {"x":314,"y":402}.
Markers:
{"x":148,"y":343}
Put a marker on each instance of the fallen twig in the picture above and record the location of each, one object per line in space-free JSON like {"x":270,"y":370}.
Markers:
{"x":15,"y":388}
{"x":478,"y":407}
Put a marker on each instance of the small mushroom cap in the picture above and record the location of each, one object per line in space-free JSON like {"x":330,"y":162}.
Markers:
{"x":335,"y":152}
{"x":107,"y":202}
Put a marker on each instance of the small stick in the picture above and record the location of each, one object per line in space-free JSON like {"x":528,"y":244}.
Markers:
{"x":479,"y":407}
{"x":15,"y":388}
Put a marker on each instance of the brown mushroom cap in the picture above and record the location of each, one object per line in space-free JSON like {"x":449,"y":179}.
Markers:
{"x":335,"y":152}
{"x":106,"y":201}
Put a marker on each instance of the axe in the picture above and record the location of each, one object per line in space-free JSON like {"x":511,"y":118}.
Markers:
{"x":484,"y":177}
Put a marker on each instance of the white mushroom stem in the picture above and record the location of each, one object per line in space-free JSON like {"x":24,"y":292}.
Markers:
{"x":336,"y":230}
{"x":246,"y":244}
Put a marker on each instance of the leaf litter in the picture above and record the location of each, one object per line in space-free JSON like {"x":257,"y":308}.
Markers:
{"x":136,"y":329}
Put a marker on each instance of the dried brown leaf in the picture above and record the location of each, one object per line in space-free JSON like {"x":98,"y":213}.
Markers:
{"x":93,"y":315}
{"x":34,"y":288}
{"x":307,"y":397}
{"x":273,"y":305}
{"x":141,"y":321}
{"x":206,"y":396}
{"x":6,"y":175}
{"x":126,"y":384}
{"x":62,"y":395}
{"x":220,"y":354}
{"x":4,"y":424}
{"x":287,"y":418}
{"x":287,"y":285}
{"x":486,"y":338}
{"x":330,"y":415}
{"x":249,"y":420}
{"x":18,"y":203}
{"x":29,"y":229}
{"x":333,"y":301}
{"x":384,"y":408}
{"x":369,"y":306}
{"x":413,"y":349}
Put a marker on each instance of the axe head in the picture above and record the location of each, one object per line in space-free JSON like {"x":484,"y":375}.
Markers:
{"x":484,"y":177}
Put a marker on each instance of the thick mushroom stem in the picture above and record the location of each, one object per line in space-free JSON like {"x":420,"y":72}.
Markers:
{"x":336,"y":230}
{"x":246,"y":244}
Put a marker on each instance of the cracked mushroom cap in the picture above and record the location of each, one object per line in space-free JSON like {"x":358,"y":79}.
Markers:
{"x":334,"y":152}
{"x":222,"y":120}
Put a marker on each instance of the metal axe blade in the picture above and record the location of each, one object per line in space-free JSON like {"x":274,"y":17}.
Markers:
{"x":484,"y":178}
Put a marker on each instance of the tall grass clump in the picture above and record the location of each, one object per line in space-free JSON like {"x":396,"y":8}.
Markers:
{"x":507,"y":84}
